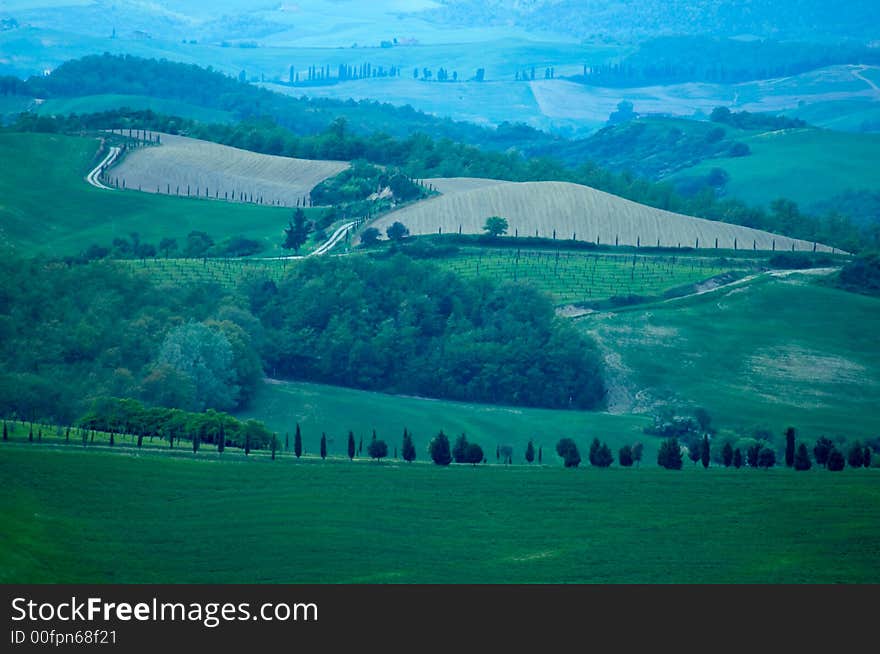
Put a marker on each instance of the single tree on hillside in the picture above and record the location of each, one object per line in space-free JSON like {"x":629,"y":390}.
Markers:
{"x":351,"y":446}
{"x":297,"y":442}
{"x":802,"y":458}
{"x":496,"y":226}
{"x":439,"y":450}
{"x":297,"y":231}
{"x":789,"y":447}
{"x":370,"y":236}
{"x":530,"y":450}
{"x":323,"y":446}
{"x":397,"y":231}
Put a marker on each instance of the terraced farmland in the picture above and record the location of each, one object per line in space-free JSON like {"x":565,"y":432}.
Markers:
{"x":572,"y":211}
{"x":579,"y":277}
{"x":185,"y":166}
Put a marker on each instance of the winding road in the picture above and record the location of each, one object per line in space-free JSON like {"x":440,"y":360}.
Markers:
{"x":93,"y":177}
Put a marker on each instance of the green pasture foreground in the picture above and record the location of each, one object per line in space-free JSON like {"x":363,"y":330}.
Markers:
{"x":90,"y":516}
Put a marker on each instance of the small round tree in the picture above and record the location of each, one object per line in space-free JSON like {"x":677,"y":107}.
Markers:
{"x":625,"y":456}
{"x":496,"y":226}
{"x":568,"y":450}
{"x":802,"y":458}
{"x":377,"y":449}
{"x":474,"y":454}
{"x":836,"y":462}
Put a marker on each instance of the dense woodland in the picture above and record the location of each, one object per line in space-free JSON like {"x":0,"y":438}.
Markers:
{"x":74,"y":334}
{"x":405,"y":326}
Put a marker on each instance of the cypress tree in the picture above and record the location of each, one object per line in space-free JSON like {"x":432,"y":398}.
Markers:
{"x":247,"y":444}
{"x":498,"y":453}
{"x":140,"y":438}
{"x":727,"y":454}
{"x":66,"y":434}
{"x":802,"y":458}
{"x":85,"y":436}
{"x":197,"y":440}
{"x":530,"y":452}
{"x":540,"y":453}
{"x":594,"y":450}
{"x":221,"y":439}
{"x":31,"y":434}
{"x":274,"y":445}
{"x":737,"y":459}
{"x":408,"y":450}
{"x":360,"y":445}
{"x":297,"y":442}
{"x":112,"y":439}
{"x":323,"y":446}
{"x":704,"y":454}
{"x":351,"y":446}
{"x":625,"y":457}
{"x":789,"y":447}
{"x":5,"y":432}
{"x":867,"y":457}
{"x":287,"y":441}
{"x":637,"y":451}
{"x":170,"y":439}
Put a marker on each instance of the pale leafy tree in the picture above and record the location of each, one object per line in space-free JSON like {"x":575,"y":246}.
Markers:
{"x":204,"y":356}
{"x":496,"y":226}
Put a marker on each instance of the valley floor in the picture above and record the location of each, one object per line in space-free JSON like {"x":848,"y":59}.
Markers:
{"x":96,"y":516}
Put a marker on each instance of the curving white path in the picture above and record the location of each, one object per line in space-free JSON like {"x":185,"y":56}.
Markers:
{"x":92,"y":177}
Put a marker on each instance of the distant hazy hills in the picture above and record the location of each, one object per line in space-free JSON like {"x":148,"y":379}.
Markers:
{"x":816,"y":20}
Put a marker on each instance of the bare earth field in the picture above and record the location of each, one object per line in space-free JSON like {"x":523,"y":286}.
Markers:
{"x":200,"y":165}
{"x":574,"y":211}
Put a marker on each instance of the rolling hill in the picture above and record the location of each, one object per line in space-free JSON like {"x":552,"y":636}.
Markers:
{"x":185,"y":162}
{"x":47,"y":207}
{"x":563,"y":210}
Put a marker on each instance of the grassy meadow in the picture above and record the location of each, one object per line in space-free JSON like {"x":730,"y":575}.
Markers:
{"x":96,"y":516}
{"x":779,"y":162}
{"x":319,"y":408}
{"x":777,"y":352}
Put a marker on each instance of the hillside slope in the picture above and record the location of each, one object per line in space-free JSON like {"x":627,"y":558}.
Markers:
{"x":580,"y":212}
{"x":185,"y":162}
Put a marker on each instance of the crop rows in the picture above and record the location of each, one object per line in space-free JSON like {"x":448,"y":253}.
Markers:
{"x":226,"y":272}
{"x":575,"y":277}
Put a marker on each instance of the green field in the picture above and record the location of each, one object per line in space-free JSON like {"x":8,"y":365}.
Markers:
{"x":89,"y":104}
{"x":74,"y":516}
{"x":777,"y":352}
{"x":779,"y":162}
{"x":579,"y":277}
{"x":318,"y":408}
{"x":46,"y":207}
